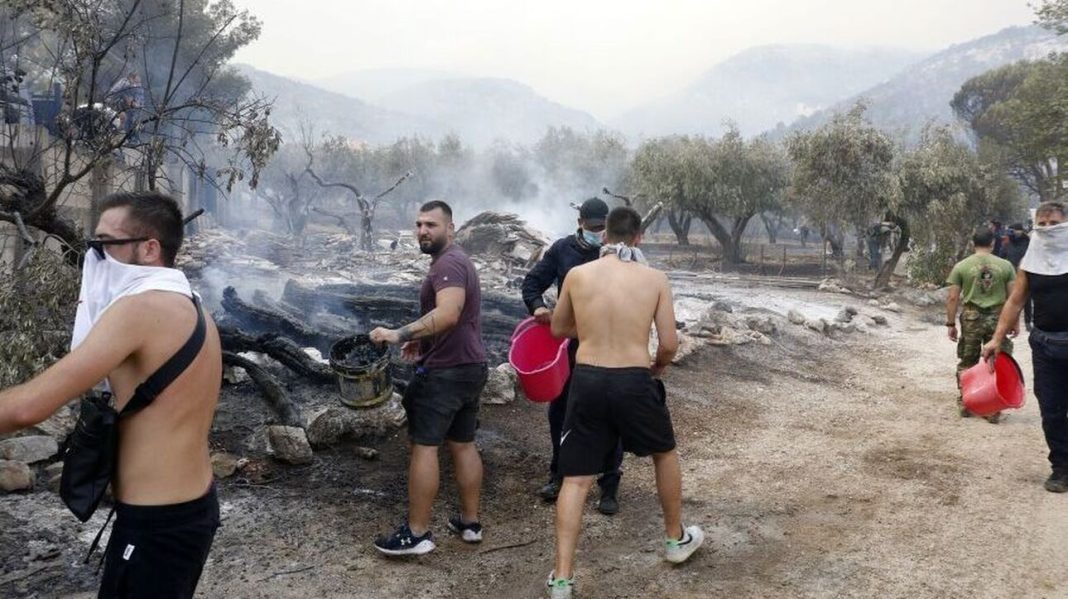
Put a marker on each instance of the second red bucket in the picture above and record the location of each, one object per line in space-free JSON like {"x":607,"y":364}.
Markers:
{"x":540,"y":360}
{"x":986,"y":393}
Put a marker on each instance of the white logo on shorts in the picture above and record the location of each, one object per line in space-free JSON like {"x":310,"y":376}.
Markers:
{"x":564,"y":436}
{"x":128,"y":552}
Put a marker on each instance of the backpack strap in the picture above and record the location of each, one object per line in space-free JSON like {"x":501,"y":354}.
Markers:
{"x":155,"y":384}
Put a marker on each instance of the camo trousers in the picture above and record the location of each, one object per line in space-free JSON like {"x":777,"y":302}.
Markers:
{"x":976,"y":328}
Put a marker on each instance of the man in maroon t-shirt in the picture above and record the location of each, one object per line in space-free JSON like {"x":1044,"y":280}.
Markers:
{"x":441,"y":402}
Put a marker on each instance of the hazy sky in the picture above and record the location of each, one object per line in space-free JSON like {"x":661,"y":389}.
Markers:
{"x":598,"y":55}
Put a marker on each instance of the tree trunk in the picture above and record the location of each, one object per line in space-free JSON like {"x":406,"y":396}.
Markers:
{"x":737,"y":231}
{"x":367,"y":232}
{"x":99,"y":187}
{"x":729,"y":241}
{"x":883,"y":278}
{"x":834,"y":239}
{"x":771,"y":228}
{"x":680,"y":222}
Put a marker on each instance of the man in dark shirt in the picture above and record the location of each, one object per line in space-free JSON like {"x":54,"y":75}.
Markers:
{"x":1013,"y":250}
{"x":579,"y":248}
{"x":1044,"y":277}
{"x":441,"y":402}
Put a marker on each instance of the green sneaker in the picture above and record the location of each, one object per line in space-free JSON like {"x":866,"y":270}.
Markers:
{"x":677,"y":551}
{"x":560,"y":588}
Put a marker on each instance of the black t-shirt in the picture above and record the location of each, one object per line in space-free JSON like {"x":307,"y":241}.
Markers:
{"x":1050,"y":294}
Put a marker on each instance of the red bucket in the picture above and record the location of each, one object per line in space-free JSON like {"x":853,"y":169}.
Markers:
{"x":540,"y":360}
{"x":986,"y":393}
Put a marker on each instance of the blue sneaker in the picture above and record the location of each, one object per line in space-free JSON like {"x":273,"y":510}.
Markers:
{"x":403,"y":542}
{"x":470,"y":532}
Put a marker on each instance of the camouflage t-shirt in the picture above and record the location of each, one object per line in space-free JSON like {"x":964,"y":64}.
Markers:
{"x":982,"y":279}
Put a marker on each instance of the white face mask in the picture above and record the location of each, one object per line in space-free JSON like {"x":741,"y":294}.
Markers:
{"x":1047,"y":254}
{"x":106,"y":280}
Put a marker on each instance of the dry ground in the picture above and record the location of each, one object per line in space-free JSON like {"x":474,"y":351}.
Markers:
{"x":817,"y":469}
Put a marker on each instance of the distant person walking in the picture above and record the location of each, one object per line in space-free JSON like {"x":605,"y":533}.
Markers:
{"x":611,"y":305}
{"x":442,"y":400}
{"x":1043,"y":276}
{"x":581,"y":247}
{"x":981,"y":282}
{"x":1014,"y":250}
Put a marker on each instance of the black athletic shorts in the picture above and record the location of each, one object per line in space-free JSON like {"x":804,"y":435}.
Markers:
{"x":607,"y":405}
{"x":442,"y":403}
{"x":158,"y":551}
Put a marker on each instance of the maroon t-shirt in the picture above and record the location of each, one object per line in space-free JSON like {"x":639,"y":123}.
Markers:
{"x":461,"y":344}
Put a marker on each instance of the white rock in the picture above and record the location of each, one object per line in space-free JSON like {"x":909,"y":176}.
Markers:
{"x":225,"y":464}
{"x":795,"y":317}
{"x":761,"y":324}
{"x":15,"y":476}
{"x":28,"y":449}
{"x":500,"y":386}
{"x":845,"y":315}
{"x":289,"y":444}
{"x":817,"y":324}
{"x":233,"y":375}
{"x":892,"y":307}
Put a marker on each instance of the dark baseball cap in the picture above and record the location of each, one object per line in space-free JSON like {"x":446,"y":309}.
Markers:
{"x":594,"y":211}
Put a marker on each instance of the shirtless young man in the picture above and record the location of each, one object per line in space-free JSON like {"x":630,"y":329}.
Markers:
{"x":610,"y":305}
{"x":166,"y":511}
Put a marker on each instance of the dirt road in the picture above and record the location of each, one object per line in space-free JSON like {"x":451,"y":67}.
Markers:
{"x":818,"y":468}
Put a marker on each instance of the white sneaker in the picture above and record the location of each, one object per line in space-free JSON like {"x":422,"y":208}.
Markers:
{"x":560,"y":588}
{"x":677,"y":551}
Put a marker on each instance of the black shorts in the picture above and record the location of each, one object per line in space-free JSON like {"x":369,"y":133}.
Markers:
{"x":608,"y":405}
{"x":159,"y":551}
{"x":442,"y":403}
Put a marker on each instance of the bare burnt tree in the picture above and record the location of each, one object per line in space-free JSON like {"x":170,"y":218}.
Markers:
{"x":142,"y":84}
{"x":651,"y":216}
{"x":287,"y":188}
{"x":366,"y":206}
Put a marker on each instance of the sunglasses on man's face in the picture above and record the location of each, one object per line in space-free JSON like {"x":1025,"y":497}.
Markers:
{"x":97,"y":244}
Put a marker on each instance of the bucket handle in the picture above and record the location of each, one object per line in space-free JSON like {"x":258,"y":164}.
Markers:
{"x":523,"y":326}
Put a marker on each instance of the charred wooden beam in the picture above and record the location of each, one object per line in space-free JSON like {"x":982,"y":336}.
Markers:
{"x":268,"y":320}
{"x":285,"y":351}
{"x":273,"y":391}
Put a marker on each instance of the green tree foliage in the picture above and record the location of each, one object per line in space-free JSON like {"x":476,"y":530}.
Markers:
{"x":843,"y":173}
{"x":946,"y":190}
{"x":1019,"y":113}
{"x":723,"y":182}
{"x":1053,"y":14}
{"x":193,"y":105}
{"x":578,"y":161}
{"x":655,"y":177}
{"x":37,"y":304}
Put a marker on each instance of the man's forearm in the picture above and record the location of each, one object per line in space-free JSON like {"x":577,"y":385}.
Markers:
{"x":13,"y":409}
{"x":951,"y":310}
{"x":664,"y":357}
{"x":430,"y":324}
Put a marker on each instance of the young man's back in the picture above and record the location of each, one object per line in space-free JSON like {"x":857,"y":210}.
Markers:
{"x":163,"y":450}
{"x":610,"y":304}
{"x":615,"y":304}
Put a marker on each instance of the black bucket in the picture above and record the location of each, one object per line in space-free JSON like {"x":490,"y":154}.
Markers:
{"x":362,"y":368}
